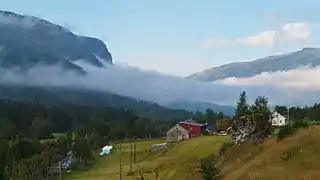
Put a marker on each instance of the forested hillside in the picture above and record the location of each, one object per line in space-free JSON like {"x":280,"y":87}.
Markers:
{"x":50,"y":96}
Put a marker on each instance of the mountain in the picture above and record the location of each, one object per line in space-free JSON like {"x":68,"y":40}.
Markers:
{"x":52,"y":96}
{"x":202,"y":107}
{"x":305,"y":57}
{"x":27,"y":41}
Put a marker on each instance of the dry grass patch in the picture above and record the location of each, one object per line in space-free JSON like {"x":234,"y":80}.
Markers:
{"x":295,"y":157}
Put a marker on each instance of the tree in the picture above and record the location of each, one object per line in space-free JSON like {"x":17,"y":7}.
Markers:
{"x":224,"y":123}
{"x":22,"y":148}
{"x":99,"y":126}
{"x":242,"y":106}
{"x":39,"y":128}
{"x":211,"y":118}
{"x":283,"y":110}
{"x":3,"y":157}
{"x":261,"y":116}
{"x":7,"y":129}
{"x":69,"y":137}
{"x":62,"y":144}
{"x":199,"y":117}
{"x":81,"y":150}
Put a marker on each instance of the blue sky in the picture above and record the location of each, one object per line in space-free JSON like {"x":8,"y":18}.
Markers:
{"x":184,"y":36}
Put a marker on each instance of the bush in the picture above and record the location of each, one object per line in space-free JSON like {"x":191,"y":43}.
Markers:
{"x":290,"y":129}
{"x":301,"y":123}
{"x":285,"y":131}
{"x":224,"y":147}
{"x":208,"y":168}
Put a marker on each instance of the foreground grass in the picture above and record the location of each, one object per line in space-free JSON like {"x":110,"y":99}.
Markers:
{"x":295,"y":157}
{"x":178,"y":163}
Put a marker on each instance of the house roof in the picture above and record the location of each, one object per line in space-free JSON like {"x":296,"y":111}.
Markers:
{"x":192,"y":122}
{"x":179,"y":128}
{"x":277,"y":115}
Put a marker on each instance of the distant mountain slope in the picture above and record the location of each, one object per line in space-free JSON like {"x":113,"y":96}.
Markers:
{"x":56,"y":96}
{"x":202,"y":107}
{"x":26,"y":41}
{"x":304,"y":57}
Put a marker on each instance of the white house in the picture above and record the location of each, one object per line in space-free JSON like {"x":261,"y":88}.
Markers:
{"x":277,"y":119}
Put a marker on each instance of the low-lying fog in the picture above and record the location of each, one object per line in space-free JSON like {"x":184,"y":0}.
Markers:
{"x":295,"y":87}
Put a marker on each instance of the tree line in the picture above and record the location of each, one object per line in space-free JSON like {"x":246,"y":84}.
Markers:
{"x":215,"y":120}
{"x":297,"y":113}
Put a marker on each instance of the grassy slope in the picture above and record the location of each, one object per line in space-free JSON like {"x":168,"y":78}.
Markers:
{"x":263,"y":161}
{"x":178,"y":163}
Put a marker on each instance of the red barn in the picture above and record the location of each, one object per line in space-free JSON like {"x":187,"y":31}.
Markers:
{"x":186,"y":130}
{"x":194,"y":129}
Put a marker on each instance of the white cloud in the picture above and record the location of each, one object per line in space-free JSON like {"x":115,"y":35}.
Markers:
{"x":296,"y":31}
{"x":303,"y":79}
{"x":288,"y":33}
{"x":266,"y":38}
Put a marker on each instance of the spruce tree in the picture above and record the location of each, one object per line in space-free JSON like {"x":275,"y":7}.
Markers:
{"x":242,"y":106}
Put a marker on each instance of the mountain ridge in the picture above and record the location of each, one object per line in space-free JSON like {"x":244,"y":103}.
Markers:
{"x":201,"y":107}
{"x":283,"y":62}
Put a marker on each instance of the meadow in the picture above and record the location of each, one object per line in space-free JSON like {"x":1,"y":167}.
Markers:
{"x":179,"y":162}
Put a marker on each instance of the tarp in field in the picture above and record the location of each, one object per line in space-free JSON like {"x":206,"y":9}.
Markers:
{"x":106,"y":150}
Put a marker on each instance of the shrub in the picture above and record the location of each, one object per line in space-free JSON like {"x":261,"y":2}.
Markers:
{"x":224,"y":147}
{"x":301,"y":123}
{"x":290,"y":129}
{"x":208,"y":168}
{"x":285,"y":131}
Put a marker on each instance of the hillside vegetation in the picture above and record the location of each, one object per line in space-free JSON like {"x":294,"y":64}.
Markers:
{"x":295,"y":157}
{"x":178,"y":163}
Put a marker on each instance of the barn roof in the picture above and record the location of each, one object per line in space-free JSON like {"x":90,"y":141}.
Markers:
{"x":179,"y":128}
{"x":192,"y":122}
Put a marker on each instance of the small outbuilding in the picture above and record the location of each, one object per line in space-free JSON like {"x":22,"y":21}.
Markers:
{"x":187,"y":129}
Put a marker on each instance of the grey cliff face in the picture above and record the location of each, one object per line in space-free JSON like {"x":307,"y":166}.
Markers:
{"x":26,"y":41}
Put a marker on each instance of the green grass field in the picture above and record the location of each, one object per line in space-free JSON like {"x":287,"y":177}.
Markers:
{"x":178,"y":163}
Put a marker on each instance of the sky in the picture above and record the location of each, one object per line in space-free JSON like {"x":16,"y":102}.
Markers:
{"x":182,"y":37}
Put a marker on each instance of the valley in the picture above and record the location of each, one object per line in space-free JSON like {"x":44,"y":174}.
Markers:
{"x":64,"y":96}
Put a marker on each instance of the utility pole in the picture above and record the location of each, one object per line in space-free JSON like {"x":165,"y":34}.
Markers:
{"x":60,"y":171}
{"x":120,"y":159}
{"x":149,"y":142}
{"x":131,"y":156}
{"x":288,"y":115}
{"x":134,"y":153}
